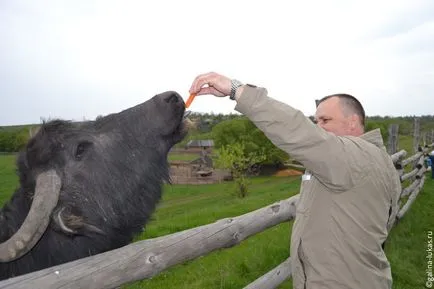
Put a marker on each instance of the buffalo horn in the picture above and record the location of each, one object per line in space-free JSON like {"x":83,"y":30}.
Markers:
{"x":44,"y":201}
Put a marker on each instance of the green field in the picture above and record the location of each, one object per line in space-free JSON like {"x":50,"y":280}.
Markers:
{"x":182,"y":157}
{"x":8,"y":177}
{"x":188,"y":206}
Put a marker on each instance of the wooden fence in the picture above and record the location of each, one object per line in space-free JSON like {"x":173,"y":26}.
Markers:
{"x":148,"y":258}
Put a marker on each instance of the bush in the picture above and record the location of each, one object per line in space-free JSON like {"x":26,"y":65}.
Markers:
{"x":13,"y":141}
{"x":243,"y":131}
{"x":234,"y":158}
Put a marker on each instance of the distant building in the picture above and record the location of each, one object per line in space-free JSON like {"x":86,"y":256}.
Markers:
{"x":203,"y":144}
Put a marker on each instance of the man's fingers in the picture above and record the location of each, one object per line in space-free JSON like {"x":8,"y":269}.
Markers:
{"x":210,"y":90}
{"x":195,"y":86}
{"x":201,"y":80}
{"x":211,"y":83}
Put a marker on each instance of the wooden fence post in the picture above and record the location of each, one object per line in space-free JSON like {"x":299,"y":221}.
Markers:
{"x":393,"y":138}
{"x":416,"y":141}
{"x":432,"y":136}
{"x":416,"y":134}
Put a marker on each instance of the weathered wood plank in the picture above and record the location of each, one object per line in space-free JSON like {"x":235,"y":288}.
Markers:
{"x":409,"y":175}
{"x":273,"y":278}
{"x":421,"y":173}
{"x":408,"y":190}
{"x":411,"y":199}
{"x":399,"y":155}
{"x":428,"y":136}
{"x":416,"y":134}
{"x":147,"y":258}
{"x":427,"y":149}
{"x":393,"y":138}
{"x":411,"y":159}
{"x":420,"y":162}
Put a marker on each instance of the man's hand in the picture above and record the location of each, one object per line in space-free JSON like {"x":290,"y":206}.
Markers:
{"x":218,"y":85}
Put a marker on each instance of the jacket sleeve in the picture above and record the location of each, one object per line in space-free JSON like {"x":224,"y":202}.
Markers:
{"x":337,"y":162}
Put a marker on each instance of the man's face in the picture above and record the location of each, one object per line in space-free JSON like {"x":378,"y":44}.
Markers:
{"x":330,"y":116}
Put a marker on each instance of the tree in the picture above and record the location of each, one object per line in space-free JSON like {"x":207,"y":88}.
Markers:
{"x":234,"y":158}
{"x":383,"y":126}
{"x":242,"y":130}
{"x":13,"y":141}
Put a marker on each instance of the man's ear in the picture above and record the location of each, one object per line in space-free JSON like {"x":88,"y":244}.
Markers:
{"x":354,"y":121}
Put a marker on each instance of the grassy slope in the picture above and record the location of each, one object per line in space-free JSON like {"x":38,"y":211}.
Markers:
{"x":8,"y":178}
{"x":407,"y":243}
{"x":185,"y":207}
{"x":182,"y":157}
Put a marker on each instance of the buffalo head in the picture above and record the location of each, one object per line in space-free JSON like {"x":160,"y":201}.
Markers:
{"x":86,"y":188}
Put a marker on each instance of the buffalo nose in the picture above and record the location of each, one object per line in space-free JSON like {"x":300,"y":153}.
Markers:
{"x":172,"y":97}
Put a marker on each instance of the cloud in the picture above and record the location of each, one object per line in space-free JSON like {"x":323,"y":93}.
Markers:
{"x":76,"y":59}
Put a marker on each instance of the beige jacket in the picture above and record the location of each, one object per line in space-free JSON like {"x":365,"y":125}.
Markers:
{"x":348,"y":200}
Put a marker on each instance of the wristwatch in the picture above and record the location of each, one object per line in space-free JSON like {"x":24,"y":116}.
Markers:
{"x":234,"y":85}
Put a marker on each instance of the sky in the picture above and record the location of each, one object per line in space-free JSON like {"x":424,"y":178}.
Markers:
{"x":79,"y":59}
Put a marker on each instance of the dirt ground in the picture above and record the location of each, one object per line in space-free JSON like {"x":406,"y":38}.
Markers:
{"x":288,"y":172}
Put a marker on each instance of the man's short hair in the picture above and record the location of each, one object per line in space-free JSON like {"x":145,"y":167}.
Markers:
{"x":348,"y":102}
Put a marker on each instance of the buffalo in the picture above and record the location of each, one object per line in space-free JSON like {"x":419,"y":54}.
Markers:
{"x":89,"y":187}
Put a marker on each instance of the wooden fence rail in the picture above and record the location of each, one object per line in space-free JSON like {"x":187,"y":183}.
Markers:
{"x":398,"y":155}
{"x":411,"y":159}
{"x":408,"y":190}
{"x":147,"y":258}
{"x":411,"y":199}
{"x":273,"y":278}
{"x":409,"y":175}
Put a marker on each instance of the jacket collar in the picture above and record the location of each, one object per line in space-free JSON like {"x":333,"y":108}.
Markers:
{"x":374,"y":137}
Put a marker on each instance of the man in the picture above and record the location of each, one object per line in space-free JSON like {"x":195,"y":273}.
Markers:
{"x":349,"y":193}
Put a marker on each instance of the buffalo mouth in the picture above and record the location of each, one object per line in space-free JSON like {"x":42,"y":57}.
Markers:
{"x":182,"y":128}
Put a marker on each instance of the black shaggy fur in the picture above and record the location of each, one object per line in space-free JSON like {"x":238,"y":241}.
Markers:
{"x":112,"y":171}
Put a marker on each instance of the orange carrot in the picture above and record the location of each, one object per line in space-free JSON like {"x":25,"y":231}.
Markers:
{"x":190,"y":100}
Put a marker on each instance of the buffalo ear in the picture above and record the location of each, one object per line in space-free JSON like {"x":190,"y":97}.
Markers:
{"x":71,"y":224}
{"x":33,"y":131}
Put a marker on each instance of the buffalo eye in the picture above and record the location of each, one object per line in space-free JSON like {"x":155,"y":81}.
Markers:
{"x":81,"y":149}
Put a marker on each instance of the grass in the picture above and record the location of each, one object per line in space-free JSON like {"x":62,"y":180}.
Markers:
{"x":182,"y":157}
{"x":188,"y":206}
{"x":8,"y":177}
{"x":185,"y":207}
{"x":405,"y":142}
{"x":407,"y":243}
